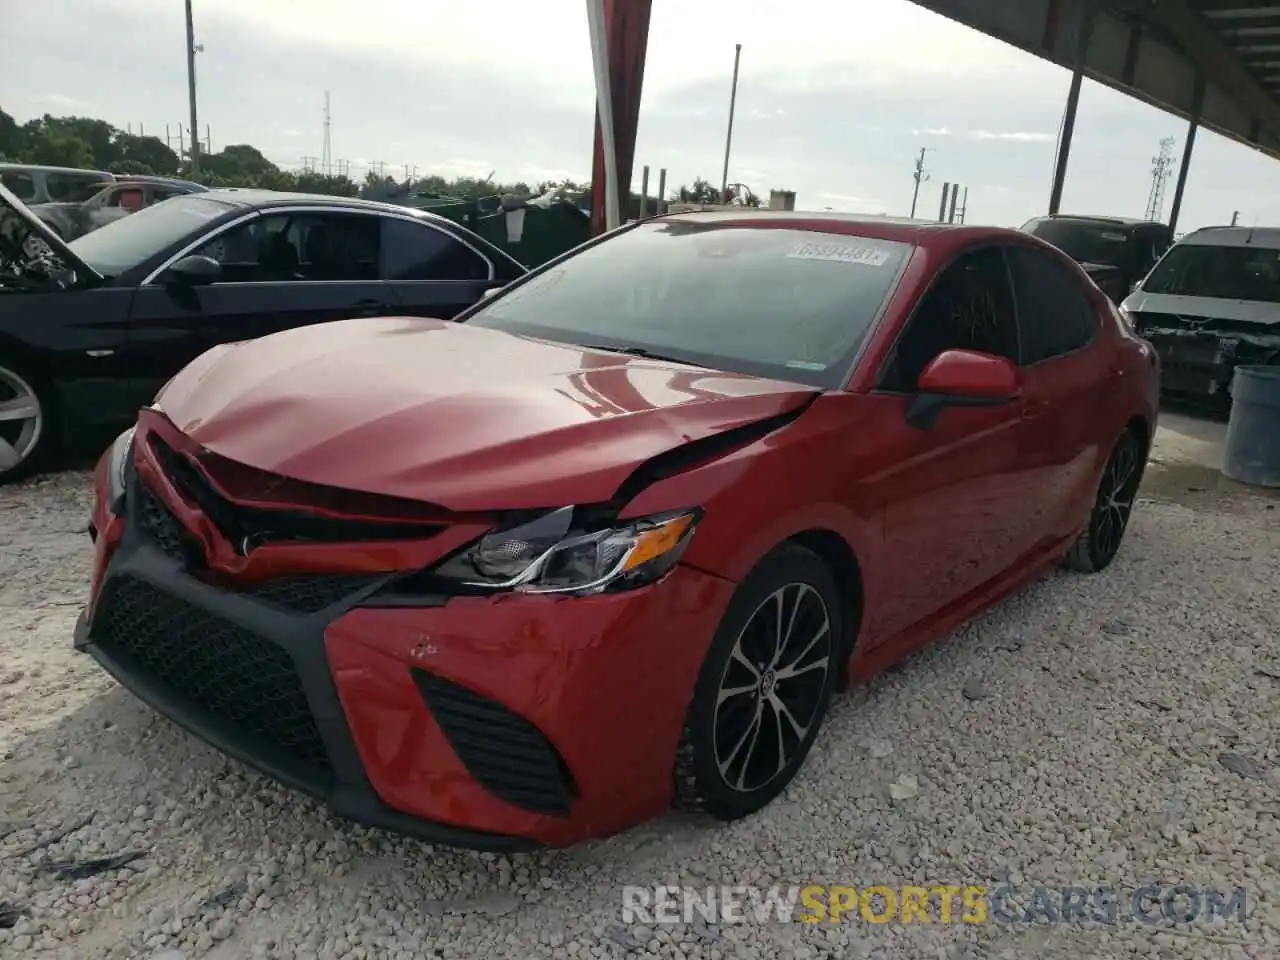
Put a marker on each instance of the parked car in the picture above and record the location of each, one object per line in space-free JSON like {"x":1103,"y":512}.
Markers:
{"x":125,"y":195}
{"x":90,"y":329}
{"x":1115,"y":252}
{"x":34,"y":183}
{"x":617,"y":535}
{"x":1211,"y":304}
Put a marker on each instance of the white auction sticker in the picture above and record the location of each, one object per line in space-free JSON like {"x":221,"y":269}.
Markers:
{"x":841,"y":253}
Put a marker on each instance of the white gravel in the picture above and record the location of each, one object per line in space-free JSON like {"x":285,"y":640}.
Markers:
{"x":1071,"y":736}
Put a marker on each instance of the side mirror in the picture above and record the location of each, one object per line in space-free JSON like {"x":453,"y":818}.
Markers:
{"x":194,"y":271}
{"x":962,"y":378}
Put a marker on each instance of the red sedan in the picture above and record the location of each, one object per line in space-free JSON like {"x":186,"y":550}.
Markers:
{"x":615,"y":539}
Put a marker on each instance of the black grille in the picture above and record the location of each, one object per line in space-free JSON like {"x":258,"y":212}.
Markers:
{"x":306,"y":594}
{"x":227,"y":671}
{"x":502,"y":750}
{"x":162,"y":528}
{"x":248,"y":527}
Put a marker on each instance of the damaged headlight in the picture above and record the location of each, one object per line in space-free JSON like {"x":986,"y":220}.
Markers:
{"x":552,"y":554}
{"x":117,"y":464}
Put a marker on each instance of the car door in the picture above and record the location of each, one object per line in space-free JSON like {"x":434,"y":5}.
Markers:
{"x":433,"y":273}
{"x":955,"y":499}
{"x":284,"y":268}
{"x":1065,"y":385}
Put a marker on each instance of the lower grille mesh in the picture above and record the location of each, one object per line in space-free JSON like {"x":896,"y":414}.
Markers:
{"x":505,"y":752}
{"x":212,"y":664}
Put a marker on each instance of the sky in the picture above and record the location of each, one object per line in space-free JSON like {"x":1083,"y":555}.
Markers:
{"x":834,"y":100}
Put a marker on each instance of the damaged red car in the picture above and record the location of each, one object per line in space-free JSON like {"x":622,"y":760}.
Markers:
{"x":614,"y":538}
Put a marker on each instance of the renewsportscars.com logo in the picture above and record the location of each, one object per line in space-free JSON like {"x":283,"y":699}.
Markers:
{"x":1151,"y":904}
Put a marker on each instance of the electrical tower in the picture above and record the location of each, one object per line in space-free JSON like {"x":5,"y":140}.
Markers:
{"x":1161,"y":168}
{"x":326,"y":159}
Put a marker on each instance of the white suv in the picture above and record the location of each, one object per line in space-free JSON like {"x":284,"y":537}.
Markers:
{"x":1210,"y":304}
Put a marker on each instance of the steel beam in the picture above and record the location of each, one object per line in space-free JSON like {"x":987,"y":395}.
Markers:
{"x":627,"y":40}
{"x":1083,"y":33}
{"x":1185,"y":166}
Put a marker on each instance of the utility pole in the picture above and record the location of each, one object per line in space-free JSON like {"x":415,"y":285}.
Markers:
{"x":326,"y":159}
{"x":1235,"y":219}
{"x":728,"y":138}
{"x":964,"y":205}
{"x":192,"y":49}
{"x":919,"y":176}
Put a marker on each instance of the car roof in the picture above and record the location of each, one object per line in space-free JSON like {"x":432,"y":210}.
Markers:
{"x":43,"y":168}
{"x":1110,"y":221}
{"x":925,"y":233}
{"x":152,"y":178}
{"x":1268,"y":238}
{"x":250,"y":197}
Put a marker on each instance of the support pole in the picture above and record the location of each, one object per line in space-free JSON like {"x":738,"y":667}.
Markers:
{"x":644,"y":193}
{"x":942,"y":207}
{"x":728,"y":137}
{"x":191,"y":92}
{"x":626,"y":34}
{"x":662,"y":190}
{"x":1197,"y":106}
{"x":955,"y":196}
{"x":1083,"y":32}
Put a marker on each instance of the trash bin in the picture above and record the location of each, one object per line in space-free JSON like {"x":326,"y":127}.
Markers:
{"x":1253,"y":432}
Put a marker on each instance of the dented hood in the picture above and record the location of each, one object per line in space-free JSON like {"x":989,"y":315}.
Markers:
{"x":463,"y":417}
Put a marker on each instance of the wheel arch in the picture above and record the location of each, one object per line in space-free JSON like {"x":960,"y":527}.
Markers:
{"x":841,"y":559}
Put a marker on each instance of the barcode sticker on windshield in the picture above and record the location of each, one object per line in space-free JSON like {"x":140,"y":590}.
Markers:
{"x":864,"y":254}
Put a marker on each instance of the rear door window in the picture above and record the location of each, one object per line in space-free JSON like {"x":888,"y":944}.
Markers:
{"x":413,"y":251}
{"x":22,"y":185}
{"x":1054,"y":311}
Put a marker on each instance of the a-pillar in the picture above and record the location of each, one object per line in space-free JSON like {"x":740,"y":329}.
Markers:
{"x":1197,"y":106}
{"x":1083,"y":33}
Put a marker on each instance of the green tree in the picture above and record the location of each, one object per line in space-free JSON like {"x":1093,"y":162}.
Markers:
{"x":139,"y":154}
{"x":58,"y":148}
{"x":11,"y":137}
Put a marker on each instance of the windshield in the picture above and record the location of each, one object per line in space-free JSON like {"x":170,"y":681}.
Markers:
{"x":85,"y":191}
{"x":1083,"y":242}
{"x":1227,"y":273}
{"x":786,"y":304}
{"x":132,"y":240}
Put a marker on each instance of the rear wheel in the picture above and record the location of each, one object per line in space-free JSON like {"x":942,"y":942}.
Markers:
{"x":764,"y":687}
{"x":1098,"y":545}
{"x":25,"y":430}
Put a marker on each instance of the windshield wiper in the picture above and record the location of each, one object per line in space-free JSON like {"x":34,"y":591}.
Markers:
{"x":642,"y":352}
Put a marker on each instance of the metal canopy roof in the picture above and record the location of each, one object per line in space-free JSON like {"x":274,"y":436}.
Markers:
{"x":1157,"y":51}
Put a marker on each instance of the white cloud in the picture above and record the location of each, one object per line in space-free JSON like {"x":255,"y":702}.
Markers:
{"x":834,"y":100}
{"x":1012,"y":136}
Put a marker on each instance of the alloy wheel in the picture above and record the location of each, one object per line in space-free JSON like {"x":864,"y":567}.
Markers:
{"x":21,"y":420}
{"x":770,"y":692}
{"x":1116,"y":494}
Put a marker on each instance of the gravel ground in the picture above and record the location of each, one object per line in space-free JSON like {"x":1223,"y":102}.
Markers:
{"x":1081,"y":733}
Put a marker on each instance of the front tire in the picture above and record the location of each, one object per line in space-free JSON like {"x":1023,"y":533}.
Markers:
{"x":1100,"y":541}
{"x":26,"y":427}
{"x":764,"y":687}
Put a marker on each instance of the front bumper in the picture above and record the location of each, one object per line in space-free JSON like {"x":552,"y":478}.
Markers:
{"x":490,"y":723}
